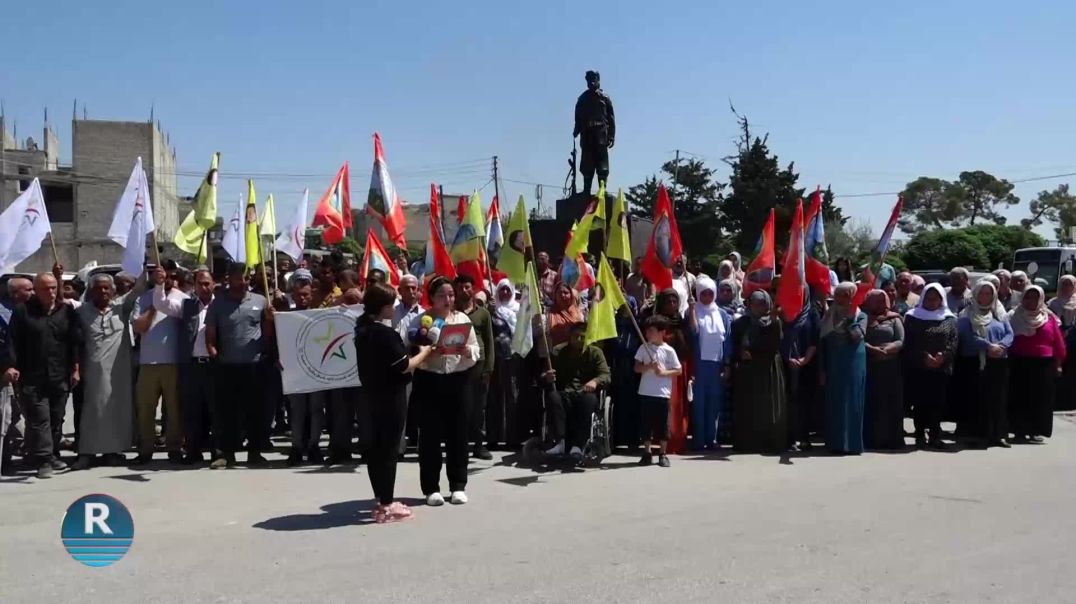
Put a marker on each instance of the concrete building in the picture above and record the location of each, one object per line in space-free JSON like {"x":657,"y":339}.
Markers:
{"x":81,"y":197}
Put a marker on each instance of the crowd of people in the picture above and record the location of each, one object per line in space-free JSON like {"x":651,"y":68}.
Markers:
{"x":714,"y":366}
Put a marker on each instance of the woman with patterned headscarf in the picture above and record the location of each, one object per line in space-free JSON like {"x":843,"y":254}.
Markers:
{"x":1037,"y":356}
{"x":760,"y":403}
{"x":883,"y":414}
{"x":844,"y":371}
{"x":1064,"y":306}
{"x":981,"y":375}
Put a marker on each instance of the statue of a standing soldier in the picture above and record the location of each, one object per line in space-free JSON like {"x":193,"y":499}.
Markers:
{"x":596,"y":129}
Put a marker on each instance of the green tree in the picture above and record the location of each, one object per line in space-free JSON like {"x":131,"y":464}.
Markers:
{"x":696,"y":198}
{"x":982,"y":196}
{"x":853,"y":241}
{"x":757,"y":184}
{"x":1057,"y":207}
{"x":831,"y":213}
{"x":928,"y":204}
{"x":933,"y":203}
{"x":348,"y":245}
{"x":944,"y":250}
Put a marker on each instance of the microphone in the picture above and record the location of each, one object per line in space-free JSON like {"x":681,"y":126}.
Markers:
{"x":433,"y":334}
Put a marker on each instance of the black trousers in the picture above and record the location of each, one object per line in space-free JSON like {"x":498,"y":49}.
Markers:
{"x":801,"y":385}
{"x":197,"y":391}
{"x":477,"y":395}
{"x":43,"y":406}
{"x":442,"y":408}
{"x":929,"y":391}
{"x":569,"y":416}
{"x":341,"y":411}
{"x":241,"y":408}
{"x":387,"y":412}
{"x":77,"y":397}
{"x":595,"y":158}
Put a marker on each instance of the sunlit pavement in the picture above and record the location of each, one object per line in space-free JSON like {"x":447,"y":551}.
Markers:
{"x":957,"y":526}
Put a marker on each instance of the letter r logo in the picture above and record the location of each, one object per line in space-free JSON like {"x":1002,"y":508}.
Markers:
{"x":96,"y":514}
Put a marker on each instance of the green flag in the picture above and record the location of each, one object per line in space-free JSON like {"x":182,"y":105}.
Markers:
{"x":191,"y":236}
{"x":593,"y":219}
{"x":619,"y":245}
{"x":513,"y":255}
{"x":601,"y":324}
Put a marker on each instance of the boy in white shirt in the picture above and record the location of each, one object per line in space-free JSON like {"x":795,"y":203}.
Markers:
{"x":658,"y":363}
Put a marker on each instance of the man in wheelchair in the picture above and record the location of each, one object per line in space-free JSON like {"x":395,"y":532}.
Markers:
{"x":571,"y":391}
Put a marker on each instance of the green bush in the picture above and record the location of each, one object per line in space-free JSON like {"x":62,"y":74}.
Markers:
{"x":1001,"y":241}
{"x":944,"y":249}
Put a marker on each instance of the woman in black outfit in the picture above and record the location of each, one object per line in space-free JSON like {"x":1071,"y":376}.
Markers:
{"x":384,"y":370}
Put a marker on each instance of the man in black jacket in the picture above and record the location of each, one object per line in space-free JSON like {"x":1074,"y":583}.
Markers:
{"x":43,"y":356}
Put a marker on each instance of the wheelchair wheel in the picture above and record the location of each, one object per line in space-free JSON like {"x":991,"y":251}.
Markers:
{"x":607,"y":439}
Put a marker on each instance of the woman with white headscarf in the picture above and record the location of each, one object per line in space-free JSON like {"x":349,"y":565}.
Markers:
{"x":1064,"y":306}
{"x":981,"y":374}
{"x":737,"y":265}
{"x":1037,"y":356}
{"x":930,"y":343}
{"x":1018,"y":282}
{"x":501,"y":401}
{"x":709,"y":325}
{"x":844,"y":371}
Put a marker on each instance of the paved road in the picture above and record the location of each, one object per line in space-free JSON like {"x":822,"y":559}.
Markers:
{"x":972,"y":526}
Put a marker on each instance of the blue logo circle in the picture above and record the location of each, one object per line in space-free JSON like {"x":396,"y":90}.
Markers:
{"x":97,"y":530}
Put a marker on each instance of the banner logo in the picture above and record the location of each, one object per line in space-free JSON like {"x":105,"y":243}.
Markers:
{"x":325,"y":348}
{"x":97,"y":530}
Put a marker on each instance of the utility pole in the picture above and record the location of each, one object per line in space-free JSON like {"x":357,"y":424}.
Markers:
{"x":676,"y":173}
{"x":496,"y":181}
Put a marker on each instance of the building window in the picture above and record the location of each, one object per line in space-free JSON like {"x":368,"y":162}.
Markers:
{"x":59,"y":202}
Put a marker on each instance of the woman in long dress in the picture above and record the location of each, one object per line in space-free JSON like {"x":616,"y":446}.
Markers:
{"x":930,"y":343}
{"x":1064,"y":306}
{"x":883,"y":416}
{"x":1036,"y":358}
{"x":982,"y":369}
{"x":760,"y":408}
{"x":501,"y":424}
{"x":844,"y":371}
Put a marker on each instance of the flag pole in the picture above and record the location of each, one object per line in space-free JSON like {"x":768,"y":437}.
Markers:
{"x":156,"y":250}
{"x":52,"y":241}
{"x":276,"y":270}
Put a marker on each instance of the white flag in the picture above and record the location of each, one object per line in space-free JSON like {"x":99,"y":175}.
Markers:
{"x":267,"y":226}
{"x":23,"y":226}
{"x":529,"y":308}
{"x":293,"y":236}
{"x":132,"y":220}
{"x":233,"y":243}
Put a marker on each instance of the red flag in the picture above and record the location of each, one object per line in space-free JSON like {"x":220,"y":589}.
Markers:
{"x":792,"y":291}
{"x":759,"y":274}
{"x":334,"y":208}
{"x":438,"y":262}
{"x":382,"y":201}
{"x":665,"y":246}
{"x":816,"y":257}
{"x":461,"y":208}
{"x":377,"y":257}
{"x":870,"y":275}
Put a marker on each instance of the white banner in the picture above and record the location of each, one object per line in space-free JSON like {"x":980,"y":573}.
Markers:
{"x":317,"y":348}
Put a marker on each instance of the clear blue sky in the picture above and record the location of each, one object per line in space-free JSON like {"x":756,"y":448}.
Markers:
{"x":862,"y":96}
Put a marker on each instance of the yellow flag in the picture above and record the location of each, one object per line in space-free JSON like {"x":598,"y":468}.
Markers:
{"x":268,"y":221}
{"x":191,"y":235}
{"x":513,"y":255}
{"x":619,"y":245}
{"x":601,"y":325}
{"x":253,"y":242}
{"x":593,"y":219}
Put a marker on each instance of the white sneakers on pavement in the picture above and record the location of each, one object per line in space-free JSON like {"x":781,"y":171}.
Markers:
{"x":435,"y":499}
{"x":558,"y":449}
{"x":458,"y":498}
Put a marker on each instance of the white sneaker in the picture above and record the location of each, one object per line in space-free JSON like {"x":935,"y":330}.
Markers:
{"x":558,"y":449}
{"x":458,"y":498}
{"x":435,"y":499}
{"x":577,"y":453}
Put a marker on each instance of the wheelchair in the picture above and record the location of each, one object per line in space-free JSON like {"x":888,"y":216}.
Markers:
{"x":599,"y":444}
